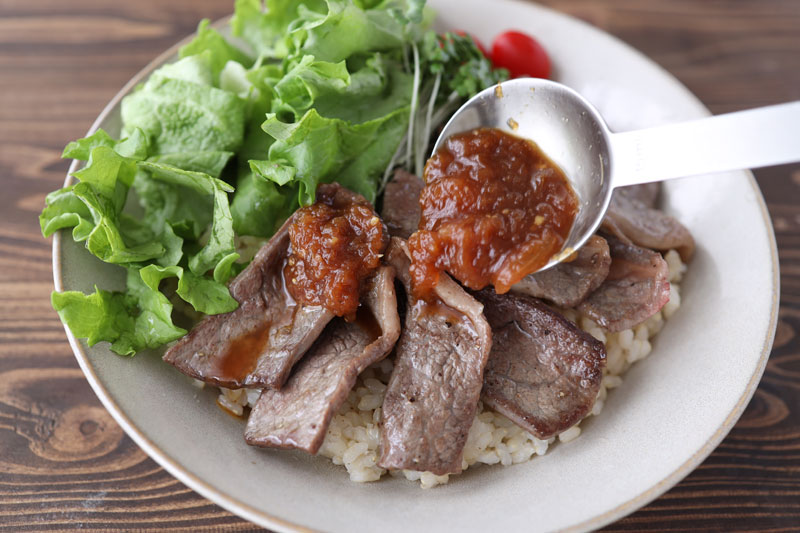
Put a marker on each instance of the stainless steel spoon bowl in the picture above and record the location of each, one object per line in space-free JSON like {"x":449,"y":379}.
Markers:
{"x":574,"y":135}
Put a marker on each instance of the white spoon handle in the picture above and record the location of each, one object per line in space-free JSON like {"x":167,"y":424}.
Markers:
{"x":745,"y":139}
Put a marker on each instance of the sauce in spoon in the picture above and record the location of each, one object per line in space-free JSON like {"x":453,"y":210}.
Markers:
{"x":495,"y":208}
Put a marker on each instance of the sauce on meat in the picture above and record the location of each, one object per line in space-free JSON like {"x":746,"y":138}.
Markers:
{"x":242,"y":354}
{"x":366,"y":320}
{"x":494,"y":209}
{"x":334,"y":247}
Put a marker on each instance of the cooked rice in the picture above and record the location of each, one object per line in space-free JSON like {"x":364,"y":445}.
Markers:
{"x":354,"y":435}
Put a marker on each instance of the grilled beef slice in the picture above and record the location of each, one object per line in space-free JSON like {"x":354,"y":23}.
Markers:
{"x":401,"y":210}
{"x":636,"y":288}
{"x":568,"y":284}
{"x":298,"y":415}
{"x":543,"y":372}
{"x":647,"y":193}
{"x":631,"y":219}
{"x":257,"y":344}
{"x":433,"y":393}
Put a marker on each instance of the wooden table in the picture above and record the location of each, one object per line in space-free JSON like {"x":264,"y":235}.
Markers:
{"x":65,"y":464}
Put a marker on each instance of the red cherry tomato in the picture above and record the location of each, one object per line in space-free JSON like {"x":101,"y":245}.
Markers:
{"x":479,"y":44}
{"x":521,"y":54}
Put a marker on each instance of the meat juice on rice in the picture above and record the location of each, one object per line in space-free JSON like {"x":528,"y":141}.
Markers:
{"x":353,"y":437}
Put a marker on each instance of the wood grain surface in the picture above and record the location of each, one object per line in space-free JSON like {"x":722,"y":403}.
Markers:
{"x":64,"y":462}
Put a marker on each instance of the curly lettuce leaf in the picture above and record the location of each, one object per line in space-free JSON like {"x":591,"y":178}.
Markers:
{"x":194,"y":69}
{"x":153,"y":325}
{"x":135,"y":320}
{"x":100,"y":316}
{"x":330,"y":30}
{"x":109,"y":175}
{"x":263,"y":25}
{"x":297,"y":91}
{"x":356,"y":91}
{"x":217,"y":49}
{"x":205,"y":295}
{"x":259,"y":83}
{"x":346,"y":29}
{"x":106,"y":240}
{"x":93,"y":207}
{"x":82,"y":148}
{"x":348,"y":127}
{"x":187,"y":212}
{"x":198,"y":181}
{"x":173,"y":245}
{"x":378,"y":87}
{"x":208,"y":162}
{"x":259,"y":207}
{"x":318,"y":150}
{"x":134,"y":146}
{"x":329,"y":119}
{"x":65,"y":210}
{"x":219,"y":253}
{"x":177,"y":115}
{"x":141,"y":317}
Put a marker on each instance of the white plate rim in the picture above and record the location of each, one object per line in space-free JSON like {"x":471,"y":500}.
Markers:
{"x":267,"y":520}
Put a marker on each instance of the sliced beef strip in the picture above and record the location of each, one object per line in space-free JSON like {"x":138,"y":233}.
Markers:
{"x":433,"y":393}
{"x":298,"y":415}
{"x":401,"y":210}
{"x":636,"y":288}
{"x":568,"y":284}
{"x":631,"y":219}
{"x":647,"y":193}
{"x":543,"y":372}
{"x":257,"y":344}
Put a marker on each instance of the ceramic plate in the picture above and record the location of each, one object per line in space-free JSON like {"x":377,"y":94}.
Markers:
{"x":672,"y":410}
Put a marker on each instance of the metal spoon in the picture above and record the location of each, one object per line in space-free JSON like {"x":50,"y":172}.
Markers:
{"x":573,"y":134}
